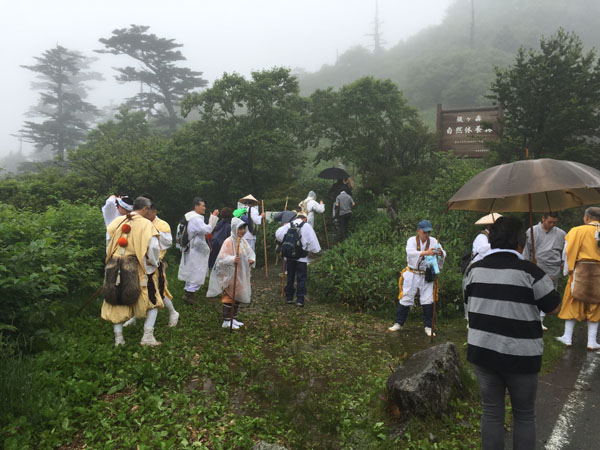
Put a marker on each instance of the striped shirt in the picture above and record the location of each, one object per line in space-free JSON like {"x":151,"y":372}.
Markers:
{"x":503,"y":296}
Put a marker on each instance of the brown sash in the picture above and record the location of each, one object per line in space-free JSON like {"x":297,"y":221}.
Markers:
{"x":586,"y":281}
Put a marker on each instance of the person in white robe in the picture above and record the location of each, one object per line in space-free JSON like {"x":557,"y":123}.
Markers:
{"x":297,"y":268}
{"x":549,"y":241}
{"x":194,"y":262}
{"x":310,"y":206}
{"x":224,"y":273}
{"x":114,"y":207}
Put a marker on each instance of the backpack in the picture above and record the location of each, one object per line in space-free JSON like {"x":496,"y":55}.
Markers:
{"x":465,"y":260}
{"x":182,"y":240}
{"x":291,"y":247}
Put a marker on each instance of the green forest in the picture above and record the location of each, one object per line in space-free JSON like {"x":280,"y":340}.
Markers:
{"x":312,"y":378}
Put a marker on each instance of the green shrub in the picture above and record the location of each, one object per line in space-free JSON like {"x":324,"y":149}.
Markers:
{"x":362,"y":271}
{"x":44,"y":257}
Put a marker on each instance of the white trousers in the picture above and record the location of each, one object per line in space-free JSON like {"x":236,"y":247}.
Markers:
{"x":413,"y":282}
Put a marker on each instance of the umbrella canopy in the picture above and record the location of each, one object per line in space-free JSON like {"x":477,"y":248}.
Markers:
{"x":334,"y":173}
{"x":553,"y":185}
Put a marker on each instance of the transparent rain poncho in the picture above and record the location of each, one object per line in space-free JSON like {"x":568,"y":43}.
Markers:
{"x":221,"y":278}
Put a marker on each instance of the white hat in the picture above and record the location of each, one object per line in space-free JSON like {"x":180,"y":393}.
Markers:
{"x":248,"y":200}
{"x":489,"y":219}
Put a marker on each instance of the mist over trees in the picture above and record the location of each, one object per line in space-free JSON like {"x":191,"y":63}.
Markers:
{"x":166,"y":82}
{"x":550,"y":99}
{"x":62,"y":74}
{"x":441,"y":64}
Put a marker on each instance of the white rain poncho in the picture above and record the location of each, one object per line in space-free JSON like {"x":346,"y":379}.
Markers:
{"x":221,"y":278}
{"x":194,"y":263}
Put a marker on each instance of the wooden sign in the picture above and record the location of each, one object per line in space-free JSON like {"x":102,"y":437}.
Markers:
{"x":466,"y":131}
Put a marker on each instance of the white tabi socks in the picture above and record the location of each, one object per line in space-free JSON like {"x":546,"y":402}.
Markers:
{"x":118,"y":329}
{"x":173,"y":315}
{"x":148,"y":338}
{"x":567,"y":337}
{"x":592,"y":344}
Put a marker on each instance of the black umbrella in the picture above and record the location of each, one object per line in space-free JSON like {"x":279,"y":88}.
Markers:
{"x":334,"y":173}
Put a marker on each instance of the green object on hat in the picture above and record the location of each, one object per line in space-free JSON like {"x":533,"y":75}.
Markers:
{"x":239,"y":212}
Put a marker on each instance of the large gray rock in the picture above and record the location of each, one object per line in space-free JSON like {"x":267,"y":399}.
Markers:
{"x":427,"y":381}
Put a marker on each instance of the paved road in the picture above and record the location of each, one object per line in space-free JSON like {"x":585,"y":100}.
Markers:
{"x":568,"y":400}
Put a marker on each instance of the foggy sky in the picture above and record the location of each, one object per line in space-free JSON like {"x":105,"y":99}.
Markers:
{"x":218,"y":36}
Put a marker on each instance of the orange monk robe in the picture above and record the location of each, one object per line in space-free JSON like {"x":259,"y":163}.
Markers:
{"x":581,"y":244}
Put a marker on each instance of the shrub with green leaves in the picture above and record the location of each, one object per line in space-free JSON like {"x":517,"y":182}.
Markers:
{"x":363,"y":270}
{"x":45,"y":256}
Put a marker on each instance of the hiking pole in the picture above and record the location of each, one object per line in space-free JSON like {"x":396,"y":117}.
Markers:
{"x":237,"y":252}
{"x":265,"y":240}
{"x":326,"y":236}
{"x":94,"y":295}
{"x":282,"y":276}
{"x":435,"y":292}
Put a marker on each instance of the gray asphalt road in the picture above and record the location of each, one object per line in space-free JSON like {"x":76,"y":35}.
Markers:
{"x":568,"y":400}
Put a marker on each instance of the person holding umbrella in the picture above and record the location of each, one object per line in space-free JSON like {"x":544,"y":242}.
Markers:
{"x":413,"y":277}
{"x":581,"y":300}
{"x":503,"y":295}
{"x":230,"y":276}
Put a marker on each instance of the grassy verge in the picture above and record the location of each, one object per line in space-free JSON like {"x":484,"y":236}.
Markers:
{"x":304,"y":378}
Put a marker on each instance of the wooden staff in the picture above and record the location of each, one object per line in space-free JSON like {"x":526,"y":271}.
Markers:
{"x":435,"y":293}
{"x":282,"y":276}
{"x":265,"y":240}
{"x":94,"y":295}
{"x":286,"y":200}
{"x":237,"y":253}
{"x":326,"y":236}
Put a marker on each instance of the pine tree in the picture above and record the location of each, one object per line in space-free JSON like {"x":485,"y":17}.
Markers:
{"x":62,"y":92}
{"x":167,"y":82}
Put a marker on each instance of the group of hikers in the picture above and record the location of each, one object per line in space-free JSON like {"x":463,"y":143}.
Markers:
{"x":221,"y":248}
{"x":510,"y":282}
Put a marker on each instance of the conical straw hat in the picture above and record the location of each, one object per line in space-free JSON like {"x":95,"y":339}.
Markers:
{"x":489,"y":219}
{"x":249,"y":200}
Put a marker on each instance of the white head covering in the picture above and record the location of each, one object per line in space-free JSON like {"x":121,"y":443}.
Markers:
{"x":312,"y":195}
{"x":124,"y":205}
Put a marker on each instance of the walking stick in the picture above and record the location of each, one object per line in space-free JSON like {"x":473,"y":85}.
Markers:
{"x":435,"y":294}
{"x":286,"y":200}
{"x":94,"y":295}
{"x":237,"y":252}
{"x":265,"y":240}
{"x":326,"y":236}
{"x":282,"y":276}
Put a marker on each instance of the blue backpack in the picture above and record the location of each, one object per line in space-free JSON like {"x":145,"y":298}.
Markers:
{"x":291,"y":246}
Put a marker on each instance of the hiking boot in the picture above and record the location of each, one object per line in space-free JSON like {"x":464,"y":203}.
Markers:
{"x":173,"y":318}
{"x":189,"y":297}
{"x":395,"y":327}
{"x":148,"y":338}
{"x":227,"y":324}
{"x":119,"y":339}
{"x":428,"y":331}
{"x":564,"y":340}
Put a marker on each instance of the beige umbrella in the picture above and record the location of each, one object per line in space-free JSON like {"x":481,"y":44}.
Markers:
{"x":541,"y":185}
